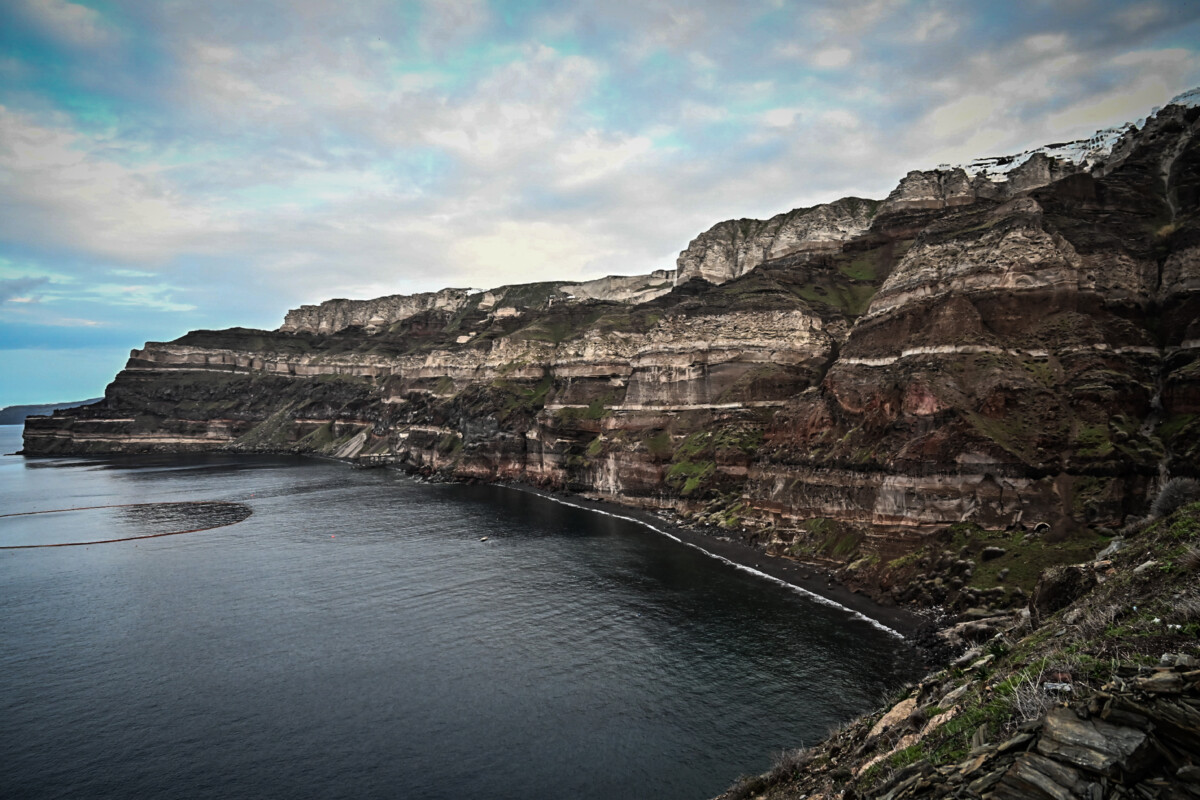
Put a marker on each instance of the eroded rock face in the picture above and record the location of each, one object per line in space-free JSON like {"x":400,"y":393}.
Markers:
{"x":931,"y":189}
{"x":732,"y":248}
{"x":1058,"y":588}
{"x":372,"y":316}
{"x":963,"y":357}
{"x":335,"y":315}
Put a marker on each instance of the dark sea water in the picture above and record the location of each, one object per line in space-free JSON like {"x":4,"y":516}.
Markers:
{"x":345,"y":634}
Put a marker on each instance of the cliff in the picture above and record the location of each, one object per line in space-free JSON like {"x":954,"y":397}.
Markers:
{"x":1093,"y":691}
{"x":732,"y":248}
{"x":15,"y":415}
{"x":841,"y":384}
{"x":372,"y":316}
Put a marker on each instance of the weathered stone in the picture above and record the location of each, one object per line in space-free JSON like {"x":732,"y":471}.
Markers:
{"x":990,"y":553}
{"x":967,"y":657}
{"x":1015,"y":742}
{"x":1059,"y":587}
{"x":899,"y":713}
{"x":1092,"y":744}
{"x":954,"y":695}
{"x":981,"y":785}
{"x":982,"y":663}
{"x":732,"y":248}
{"x":1033,"y":777}
{"x":1160,"y":683}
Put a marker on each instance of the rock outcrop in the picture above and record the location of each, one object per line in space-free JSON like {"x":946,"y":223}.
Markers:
{"x":733,"y":248}
{"x":373,"y":316}
{"x":335,"y":315}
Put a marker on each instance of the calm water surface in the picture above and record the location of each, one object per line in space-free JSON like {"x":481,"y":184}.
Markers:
{"x":351,"y":636}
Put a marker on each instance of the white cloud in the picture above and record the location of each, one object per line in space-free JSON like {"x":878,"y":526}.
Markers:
{"x":1130,"y":101}
{"x":780,"y":117}
{"x":447,"y":21}
{"x":592,"y":156}
{"x":854,"y":17}
{"x":519,"y":252}
{"x":1043,"y":43}
{"x":832,"y":57}
{"x":935,"y":26}
{"x":56,"y":188}
{"x":959,"y":116}
{"x":692,"y":111}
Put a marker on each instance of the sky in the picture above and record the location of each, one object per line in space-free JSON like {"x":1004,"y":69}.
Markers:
{"x":169,"y":165}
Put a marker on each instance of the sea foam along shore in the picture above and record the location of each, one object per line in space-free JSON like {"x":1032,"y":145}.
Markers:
{"x":806,"y":579}
{"x":811,"y":580}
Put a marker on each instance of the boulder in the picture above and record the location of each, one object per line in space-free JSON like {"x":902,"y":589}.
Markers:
{"x":1058,"y":588}
{"x":1092,"y":744}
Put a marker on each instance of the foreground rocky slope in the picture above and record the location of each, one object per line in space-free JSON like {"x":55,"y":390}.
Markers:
{"x":843,"y":384}
{"x":1093,"y":691}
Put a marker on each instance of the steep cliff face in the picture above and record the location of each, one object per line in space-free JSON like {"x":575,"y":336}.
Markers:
{"x":1001,"y":359}
{"x":373,"y":316}
{"x":335,"y":315}
{"x":732,"y":248}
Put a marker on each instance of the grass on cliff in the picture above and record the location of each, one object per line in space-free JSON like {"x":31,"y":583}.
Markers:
{"x":937,"y":571}
{"x":694,"y":469}
{"x":826,"y":539}
{"x":1146,"y":605}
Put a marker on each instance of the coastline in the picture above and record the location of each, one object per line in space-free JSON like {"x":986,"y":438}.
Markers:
{"x":811,"y":580}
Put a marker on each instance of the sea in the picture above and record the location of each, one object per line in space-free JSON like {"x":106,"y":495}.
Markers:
{"x":222,"y":626}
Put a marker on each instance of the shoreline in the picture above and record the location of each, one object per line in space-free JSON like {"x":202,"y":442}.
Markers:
{"x":810,"y":580}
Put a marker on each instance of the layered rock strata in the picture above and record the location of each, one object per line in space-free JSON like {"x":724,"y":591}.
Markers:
{"x":734,"y":247}
{"x":373,"y":316}
{"x":845,"y":380}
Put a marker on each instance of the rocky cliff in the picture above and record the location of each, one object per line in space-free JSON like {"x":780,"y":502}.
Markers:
{"x":734,"y":247}
{"x":373,"y":316}
{"x":843,"y":384}
{"x":1093,"y":691}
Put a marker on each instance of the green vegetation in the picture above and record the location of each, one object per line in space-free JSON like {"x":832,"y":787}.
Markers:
{"x":659,"y":445}
{"x":317,"y":440}
{"x":1175,"y":425}
{"x":506,"y":399}
{"x":687,"y":476}
{"x":527,"y":295}
{"x":274,"y":433}
{"x":595,"y":410}
{"x":449,"y":444}
{"x":828,"y":538}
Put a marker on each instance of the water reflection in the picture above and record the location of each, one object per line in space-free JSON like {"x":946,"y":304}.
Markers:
{"x":116,"y":523}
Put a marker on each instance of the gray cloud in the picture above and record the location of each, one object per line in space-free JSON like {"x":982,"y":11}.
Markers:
{"x":18,"y":288}
{"x":309,"y":154}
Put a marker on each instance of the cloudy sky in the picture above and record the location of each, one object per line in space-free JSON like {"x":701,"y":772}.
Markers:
{"x":168,"y":165}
